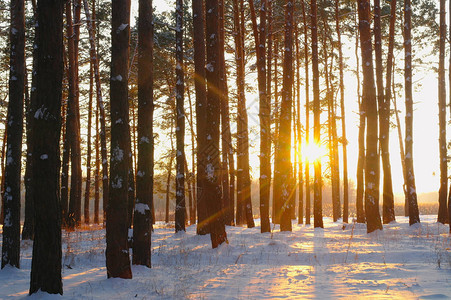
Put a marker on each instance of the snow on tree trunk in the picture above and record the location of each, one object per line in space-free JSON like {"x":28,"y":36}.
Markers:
{"x":46,"y":261}
{"x":11,"y":196}
{"x":117,"y":250}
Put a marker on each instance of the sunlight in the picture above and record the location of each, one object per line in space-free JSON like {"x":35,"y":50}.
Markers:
{"x":313,"y":152}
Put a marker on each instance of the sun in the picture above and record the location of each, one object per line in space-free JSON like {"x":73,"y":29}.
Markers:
{"x":313,"y":152}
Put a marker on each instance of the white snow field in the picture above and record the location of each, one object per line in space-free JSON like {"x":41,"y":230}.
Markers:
{"x":334,"y":262}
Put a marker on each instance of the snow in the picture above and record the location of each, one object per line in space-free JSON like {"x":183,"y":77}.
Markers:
{"x":121,"y":27}
{"x":335,"y":262}
{"x":141,"y":208}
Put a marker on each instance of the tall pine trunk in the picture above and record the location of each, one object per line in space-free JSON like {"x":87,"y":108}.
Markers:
{"x":361,"y":138}
{"x":89,"y":151}
{"x":47,"y":254}
{"x":201,"y":110}
{"x":317,"y":192}
{"x":370,"y":101}
{"x":414,"y":216}
{"x":117,"y":251}
{"x":265,"y":122}
{"x":243,"y":172}
{"x":12,"y":174}
{"x":388,"y":208}
{"x":142,"y":221}
{"x":212,"y":169}
{"x":100,"y":106}
{"x":442,"y":209}
{"x":180,"y":123}
{"x":307,"y":113}
{"x":283,"y":184}
{"x":343,"y":119}
{"x":299,"y":131}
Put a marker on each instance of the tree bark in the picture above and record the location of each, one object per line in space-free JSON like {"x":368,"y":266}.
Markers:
{"x":369,"y":95}
{"x":11,"y":197}
{"x":307,"y":113}
{"x":117,"y":252}
{"x":46,"y":261}
{"x":317,"y":195}
{"x":142,"y":222}
{"x":443,"y":192}
{"x":88,"y":155}
{"x":362,"y":123}
{"x":388,"y":210}
{"x":283,"y":176}
{"x":265,"y":122}
{"x":414,"y":216}
{"x":243,"y":174}
{"x":343,"y":119}
{"x":201,"y":110}
{"x":180,"y":123}
{"x":212,"y":169}
{"x":299,"y":131}
{"x":100,"y":106}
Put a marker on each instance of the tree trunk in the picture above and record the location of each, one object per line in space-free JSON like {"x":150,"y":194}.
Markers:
{"x":73,"y":128}
{"x":283,"y":184}
{"x":402,"y":153}
{"x":442,"y":209}
{"x":2,"y":183}
{"x":414,"y":216}
{"x":201,"y":111}
{"x":265,"y":122}
{"x":180,"y":123}
{"x":142,"y":221}
{"x":243,"y":172}
{"x":317,"y":195}
{"x":299,"y":130}
{"x":212,"y":169}
{"x":192,"y":178}
{"x":370,"y":102}
{"x":88,"y":155}
{"x":343,"y":120}
{"x":388,"y":210}
{"x":46,"y":261}
{"x":307,"y":114}
{"x":117,"y":252}
{"x":102,"y":132}
{"x":97,"y":173}
{"x":362,"y":123}
{"x":30,"y":99}
{"x":11,"y":197}
{"x":168,"y":180}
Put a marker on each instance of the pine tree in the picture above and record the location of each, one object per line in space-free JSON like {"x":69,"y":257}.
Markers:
{"x":201,"y":110}
{"x":307,"y":113}
{"x":442,"y":210}
{"x":388,"y":211}
{"x":369,"y":95}
{"x":11,"y":197}
{"x":212,"y":170}
{"x":117,"y":253}
{"x":100,"y":107}
{"x":142,"y":222}
{"x":265,"y":122}
{"x":343,"y":119}
{"x":317,"y":193}
{"x":180,"y":123}
{"x":46,"y":261}
{"x":414,"y":216}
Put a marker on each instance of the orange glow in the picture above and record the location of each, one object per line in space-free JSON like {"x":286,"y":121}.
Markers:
{"x":313,"y":152}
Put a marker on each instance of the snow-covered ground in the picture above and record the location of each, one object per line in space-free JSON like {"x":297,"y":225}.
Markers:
{"x":334,"y":262}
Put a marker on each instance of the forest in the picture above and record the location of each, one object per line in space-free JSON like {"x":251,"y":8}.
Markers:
{"x":225,"y":149}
